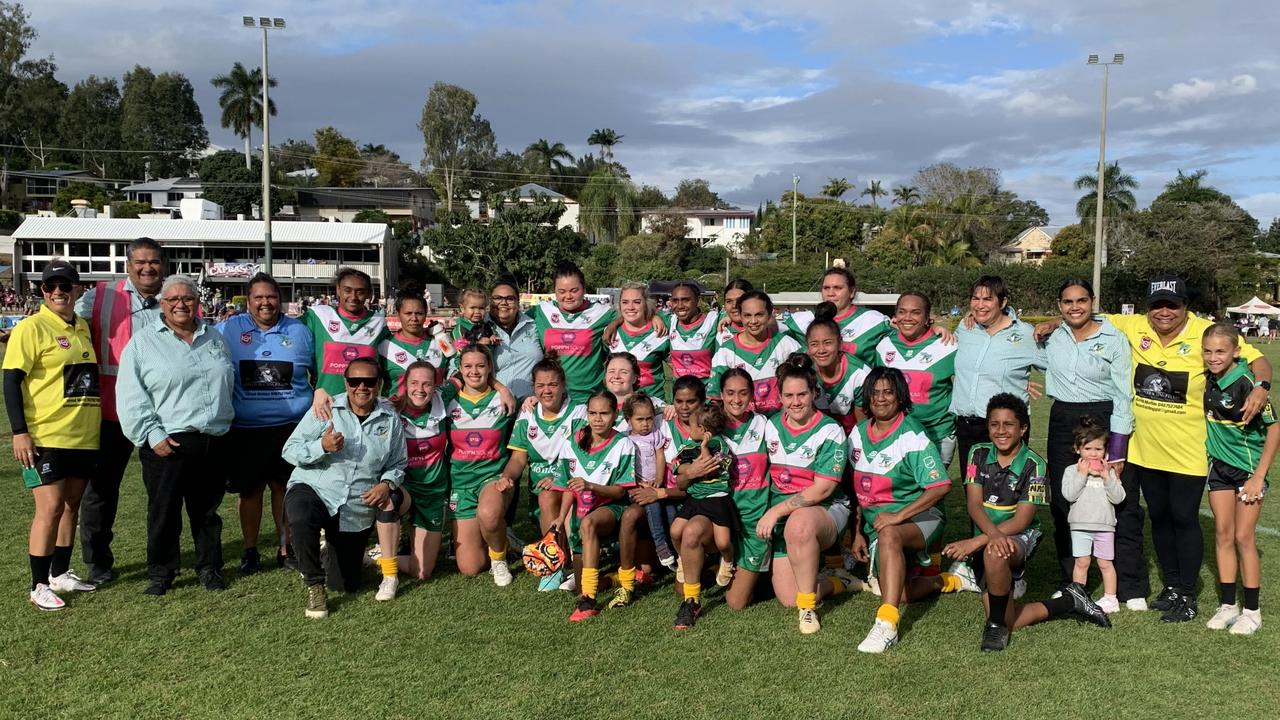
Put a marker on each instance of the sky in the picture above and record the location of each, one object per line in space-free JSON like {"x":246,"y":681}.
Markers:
{"x":748,"y":93}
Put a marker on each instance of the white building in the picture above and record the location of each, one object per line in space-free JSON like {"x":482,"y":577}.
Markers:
{"x":479,"y":210}
{"x":305,"y":255}
{"x":723,"y":228}
{"x":165,"y":195}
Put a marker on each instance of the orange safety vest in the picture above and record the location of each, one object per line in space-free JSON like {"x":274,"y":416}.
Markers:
{"x":111,"y":328}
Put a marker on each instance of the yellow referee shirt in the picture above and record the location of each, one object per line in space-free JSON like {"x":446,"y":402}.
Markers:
{"x":1168,"y":395}
{"x":60,"y":390}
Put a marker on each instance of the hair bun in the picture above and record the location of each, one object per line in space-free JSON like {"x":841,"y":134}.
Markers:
{"x":800,"y":361}
{"x":551,"y":356}
{"x":1087,"y":422}
{"x":824,"y":311}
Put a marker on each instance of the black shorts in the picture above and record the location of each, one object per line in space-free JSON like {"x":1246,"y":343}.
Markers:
{"x":1227,"y":477}
{"x":54,"y":464}
{"x":253,"y":457}
{"x":719,"y":510}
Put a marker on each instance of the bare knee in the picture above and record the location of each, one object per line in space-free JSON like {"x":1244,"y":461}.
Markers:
{"x":1245,"y":539}
{"x":1082,"y":563}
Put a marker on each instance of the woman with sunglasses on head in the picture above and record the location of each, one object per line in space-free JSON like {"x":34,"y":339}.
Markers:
{"x":51,"y":395}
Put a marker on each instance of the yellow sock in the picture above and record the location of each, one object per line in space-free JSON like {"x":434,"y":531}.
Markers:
{"x":889,"y":614}
{"x":837,"y":585}
{"x":950,"y":583}
{"x":693,"y":591}
{"x":806,"y":601}
{"x":590,"y":582}
{"x":390,"y":568}
{"x":627,"y":578}
{"x":500,"y":554}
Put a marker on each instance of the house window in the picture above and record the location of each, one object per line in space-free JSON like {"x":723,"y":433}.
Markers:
{"x":709,"y":221}
{"x":176,"y":197}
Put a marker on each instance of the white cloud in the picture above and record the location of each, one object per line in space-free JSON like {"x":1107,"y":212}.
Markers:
{"x":1197,"y":90}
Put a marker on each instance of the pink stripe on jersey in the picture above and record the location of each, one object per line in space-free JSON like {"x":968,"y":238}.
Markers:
{"x":575,"y":342}
{"x":751,"y":472}
{"x":872,"y":490}
{"x":766,"y":397}
{"x":337,"y":356}
{"x":790,"y":480}
{"x":919,"y":383}
{"x":691,"y":362}
{"x":476,"y":444}
{"x":646,"y":374}
{"x":426,"y":451}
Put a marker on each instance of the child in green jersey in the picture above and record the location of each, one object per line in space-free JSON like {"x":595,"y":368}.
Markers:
{"x":1240,"y":454}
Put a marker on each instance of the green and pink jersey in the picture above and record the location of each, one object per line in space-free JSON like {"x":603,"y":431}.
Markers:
{"x":650,"y":350}
{"x":749,"y":476}
{"x":398,"y":351}
{"x":612,"y":462}
{"x":339,"y":339}
{"x":761,"y":363}
{"x":930,"y":367}
{"x":478,"y":427}
{"x":799,"y":456}
{"x":892,"y":469}
{"x":860,"y":329}
{"x":692,"y":345}
{"x":426,"y":437}
{"x":578,"y":337}
{"x":543,"y":438}
{"x":840,"y":399}
{"x":675,"y":440}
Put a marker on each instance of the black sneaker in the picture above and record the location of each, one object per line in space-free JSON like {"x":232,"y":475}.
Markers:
{"x":995,"y":637}
{"x":688,"y":614}
{"x":1165,"y":600}
{"x":100,"y":576}
{"x":287,"y":559}
{"x":1184,"y":610}
{"x":250,"y":561}
{"x":212,"y":580}
{"x":156,"y":588}
{"x":1084,"y":607}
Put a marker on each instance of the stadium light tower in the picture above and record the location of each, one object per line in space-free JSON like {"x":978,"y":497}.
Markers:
{"x":1099,"y":242}
{"x":265,"y":24}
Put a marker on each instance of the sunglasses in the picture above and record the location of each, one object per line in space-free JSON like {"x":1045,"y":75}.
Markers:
{"x":362,"y":382}
{"x":62,"y":286}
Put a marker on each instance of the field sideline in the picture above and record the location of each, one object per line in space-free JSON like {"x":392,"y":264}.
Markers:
{"x":458,"y":647}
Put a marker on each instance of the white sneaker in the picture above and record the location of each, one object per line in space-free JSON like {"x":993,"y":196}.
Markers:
{"x":1019,"y":588}
{"x":387,"y":590}
{"x":873,"y":584}
{"x":882,"y":637}
{"x":809,"y":622}
{"x":679,"y":571}
{"x":501,"y":573}
{"x":1224,"y":618}
{"x":70,"y":582}
{"x":724,"y":575}
{"x":44,"y":598}
{"x":570,"y":584}
{"x":1136,"y":604}
{"x":372,"y":557}
{"x":1249,"y":622}
{"x":1109,"y":604}
{"x":964,"y":573}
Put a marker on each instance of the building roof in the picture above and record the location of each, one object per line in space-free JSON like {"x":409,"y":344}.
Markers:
{"x":162,"y":231}
{"x":165,"y":185}
{"x":56,"y":173}
{"x":364,"y":197}
{"x":528,"y":190}
{"x":1051,"y":232}
{"x":705,"y":212}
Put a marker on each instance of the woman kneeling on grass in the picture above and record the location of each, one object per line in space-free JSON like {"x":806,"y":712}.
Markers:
{"x":1005,"y":483}
{"x":1239,"y":456}
{"x":425,"y":418}
{"x":806,"y":461}
{"x":598,"y":466}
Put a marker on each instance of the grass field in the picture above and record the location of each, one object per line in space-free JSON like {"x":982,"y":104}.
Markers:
{"x":458,"y":647}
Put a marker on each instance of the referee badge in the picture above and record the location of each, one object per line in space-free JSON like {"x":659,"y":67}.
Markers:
{"x":64,"y":342}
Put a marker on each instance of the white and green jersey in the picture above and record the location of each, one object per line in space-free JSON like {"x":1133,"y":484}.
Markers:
{"x":650,"y":350}
{"x":478,"y":427}
{"x":761,"y":363}
{"x":930,"y":367}
{"x":692,"y":345}
{"x":398,"y":351}
{"x":613,"y":462}
{"x":749,"y":478}
{"x":543,"y":438}
{"x":579,"y":339}
{"x":798,"y":456}
{"x":675,"y":438}
{"x":891,"y":470}
{"x":841,"y":398}
{"x":426,"y":437}
{"x":339,"y":340}
{"x":860,"y":329}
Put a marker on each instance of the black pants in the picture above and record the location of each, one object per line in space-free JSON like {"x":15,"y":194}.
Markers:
{"x":307,"y":517}
{"x":969,"y":432}
{"x":191,"y":475}
{"x":1064,"y":418}
{"x":1132,"y":579}
{"x":1173,"y":501}
{"x":102,"y":498}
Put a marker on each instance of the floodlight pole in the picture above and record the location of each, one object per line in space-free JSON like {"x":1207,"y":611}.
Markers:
{"x":266,"y":159}
{"x":795,"y":190}
{"x":1099,"y":238}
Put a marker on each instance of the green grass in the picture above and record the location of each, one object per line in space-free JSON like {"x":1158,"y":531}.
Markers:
{"x":457,"y":647}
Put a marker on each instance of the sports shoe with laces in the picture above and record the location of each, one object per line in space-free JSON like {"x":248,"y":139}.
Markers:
{"x":809,"y":621}
{"x":665,"y":556}
{"x":387,"y":588}
{"x":1165,"y":600}
{"x":570,"y":583}
{"x":1084,"y":607}
{"x":250,"y":561}
{"x":883,"y":636}
{"x":70,"y":582}
{"x":1249,"y":622}
{"x":995,"y":637}
{"x":1136,"y":604}
{"x":317,"y":602}
{"x":44,"y":598}
{"x":688,"y":614}
{"x":100,"y":576}
{"x":621,"y":598}
{"x":587,"y":608}
{"x":501,"y":573}
{"x":1224,"y":617}
{"x":212,"y":580}
{"x":724,"y":575}
{"x":964,"y":573}
{"x":1183,"y":610}
{"x":852,"y":583}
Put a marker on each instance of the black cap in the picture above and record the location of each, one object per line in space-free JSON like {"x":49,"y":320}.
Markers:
{"x":1169,"y":288}
{"x":59,"y":269}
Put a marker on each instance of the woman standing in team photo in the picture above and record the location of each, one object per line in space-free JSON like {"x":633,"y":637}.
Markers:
{"x":758,"y":349}
{"x":860,"y":327}
{"x":840,"y":374}
{"x":638,"y":336}
{"x":424,"y":414}
{"x":574,"y":327}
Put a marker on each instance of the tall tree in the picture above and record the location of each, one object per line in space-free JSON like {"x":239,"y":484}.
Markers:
{"x":337,"y":160}
{"x":547,"y":157}
{"x":1117,"y":195}
{"x":383,"y":166}
{"x":607,"y":206}
{"x":159,"y":114}
{"x":456,"y":139}
{"x":91,"y":121}
{"x":697,"y":193}
{"x":836,"y":187}
{"x":292,"y":155}
{"x":16,"y":36}
{"x":906,"y":195}
{"x":241,"y":102}
{"x":33,"y":114}
{"x":944,"y":182}
{"x":875,"y":190}
{"x":236,"y":188}
{"x":606,"y":138}
{"x":1187,"y":188}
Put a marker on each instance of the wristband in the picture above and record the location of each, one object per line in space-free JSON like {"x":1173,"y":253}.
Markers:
{"x":1117,"y":447}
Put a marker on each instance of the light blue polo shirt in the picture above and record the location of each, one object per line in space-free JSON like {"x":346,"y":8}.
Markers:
{"x":987,"y":365}
{"x":273,"y":383}
{"x":516,"y":354}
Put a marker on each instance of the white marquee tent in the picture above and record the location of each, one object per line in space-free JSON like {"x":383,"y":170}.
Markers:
{"x":1254,"y":307}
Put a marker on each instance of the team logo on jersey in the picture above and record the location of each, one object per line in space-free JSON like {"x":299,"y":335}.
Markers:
{"x":533,"y":432}
{"x":1015,"y":338}
{"x":473,"y":439}
{"x":285,"y":342}
{"x":762,"y":390}
{"x":84,"y":356}
{"x":401,"y":356}
{"x":573,"y":465}
{"x":266,"y":353}
{"x":785,"y":476}
{"x":773,"y":446}
{"x":334,"y":325}
{"x":889,"y":356}
{"x":855,"y":454}
{"x":806,"y":451}
{"x":350,"y":353}
{"x":380,"y":430}
{"x":926,"y":357}
{"x":1184,"y":348}
{"x":567,"y":337}
{"x":1097,"y":348}
{"x":744,"y":467}
{"x":456,"y":413}
{"x":865,"y":482}
{"x":1145,"y":344}
{"x":64,"y":342}
{"x":246,"y":338}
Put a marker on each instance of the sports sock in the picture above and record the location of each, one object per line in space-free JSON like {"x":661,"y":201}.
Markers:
{"x":889,"y":614}
{"x":40,"y":569}
{"x":627,"y":578}
{"x":1057,"y":607}
{"x":950,"y":583}
{"x":806,"y":601}
{"x":693,"y":591}
{"x":590,"y":582}
{"x":499,"y":554}
{"x":61,"y":560}
{"x":390,"y":566}
{"x":837,"y":585}
{"x":1251,"y":598}
{"x":999,"y":605}
{"x":1227,"y":591}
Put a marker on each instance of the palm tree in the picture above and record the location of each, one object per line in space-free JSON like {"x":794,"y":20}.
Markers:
{"x":836,"y":187}
{"x":906,"y":195}
{"x":969,"y":215}
{"x":953,"y":252}
{"x":241,"y":101}
{"x":1190,"y":189}
{"x":548,"y":157}
{"x":606,"y":138}
{"x":913,"y":227}
{"x":1117,"y":194}
{"x":875,"y":190}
